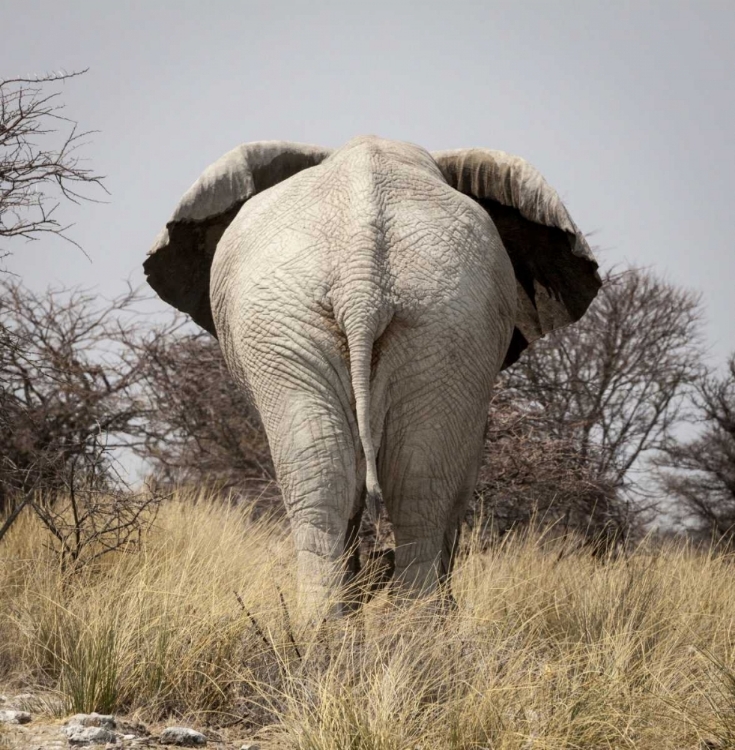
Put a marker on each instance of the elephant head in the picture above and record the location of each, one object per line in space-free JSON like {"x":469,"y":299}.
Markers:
{"x":367,"y":297}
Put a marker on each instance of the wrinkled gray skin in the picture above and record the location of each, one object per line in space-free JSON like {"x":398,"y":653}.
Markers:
{"x":367,"y":299}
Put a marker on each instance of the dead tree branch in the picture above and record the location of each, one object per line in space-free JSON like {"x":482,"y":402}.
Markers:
{"x":40,"y":162}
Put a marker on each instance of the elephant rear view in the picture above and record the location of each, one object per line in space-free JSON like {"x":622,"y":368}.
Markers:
{"x":367,"y":298}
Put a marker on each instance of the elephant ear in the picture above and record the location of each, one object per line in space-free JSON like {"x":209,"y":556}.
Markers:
{"x":178,"y":264}
{"x":555,"y":270}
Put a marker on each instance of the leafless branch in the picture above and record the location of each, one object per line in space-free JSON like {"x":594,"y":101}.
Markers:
{"x":40,"y":162}
{"x":201,"y":426}
{"x":93,"y":518}
{"x":700,"y":474}
{"x":576,"y":418}
{"x":70,"y":378}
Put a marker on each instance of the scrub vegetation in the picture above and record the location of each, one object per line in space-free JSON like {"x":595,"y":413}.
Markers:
{"x":547,"y":647}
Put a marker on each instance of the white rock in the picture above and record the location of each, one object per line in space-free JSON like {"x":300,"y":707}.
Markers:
{"x":90,"y":735}
{"x":250,"y":746}
{"x":92,"y":720}
{"x":182,"y":736}
{"x":14,"y":717}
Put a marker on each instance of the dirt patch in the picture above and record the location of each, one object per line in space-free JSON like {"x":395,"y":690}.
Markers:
{"x":48,"y":729}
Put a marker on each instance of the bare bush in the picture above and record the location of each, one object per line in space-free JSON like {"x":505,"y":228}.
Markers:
{"x":701,"y":472}
{"x":39,"y":158}
{"x":93,"y":517}
{"x":201,"y":426}
{"x":78,"y":372}
{"x":89,"y":522}
{"x":575,"y":418}
{"x":616,"y":383}
{"x":70,"y":400}
{"x":70,"y":380}
{"x":534,"y":479}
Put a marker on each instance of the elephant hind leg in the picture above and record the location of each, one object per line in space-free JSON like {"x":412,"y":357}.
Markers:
{"x":318,"y":469}
{"x":426,"y":502}
{"x":431,"y":450}
{"x":450,"y":545}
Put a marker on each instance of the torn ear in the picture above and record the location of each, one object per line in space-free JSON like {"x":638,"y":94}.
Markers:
{"x":178,"y":264}
{"x":556,"y":273}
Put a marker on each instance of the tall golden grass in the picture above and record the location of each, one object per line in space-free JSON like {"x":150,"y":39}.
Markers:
{"x":547,"y":647}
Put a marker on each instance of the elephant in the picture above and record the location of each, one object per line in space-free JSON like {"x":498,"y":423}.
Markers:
{"x":366,"y":298}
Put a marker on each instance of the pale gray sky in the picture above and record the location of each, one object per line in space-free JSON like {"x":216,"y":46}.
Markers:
{"x":626,"y":107}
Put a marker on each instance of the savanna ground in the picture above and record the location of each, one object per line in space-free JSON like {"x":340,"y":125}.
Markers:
{"x":547,"y":647}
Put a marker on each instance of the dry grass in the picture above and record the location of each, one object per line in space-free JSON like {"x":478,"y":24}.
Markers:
{"x":546,"y":649}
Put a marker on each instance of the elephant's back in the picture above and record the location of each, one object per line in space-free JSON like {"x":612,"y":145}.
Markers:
{"x":371,"y":236}
{"x":444,"y":252}
{"x":272,"y":249}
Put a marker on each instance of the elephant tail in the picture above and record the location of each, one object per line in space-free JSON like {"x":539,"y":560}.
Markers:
{"x":360,"y":345}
